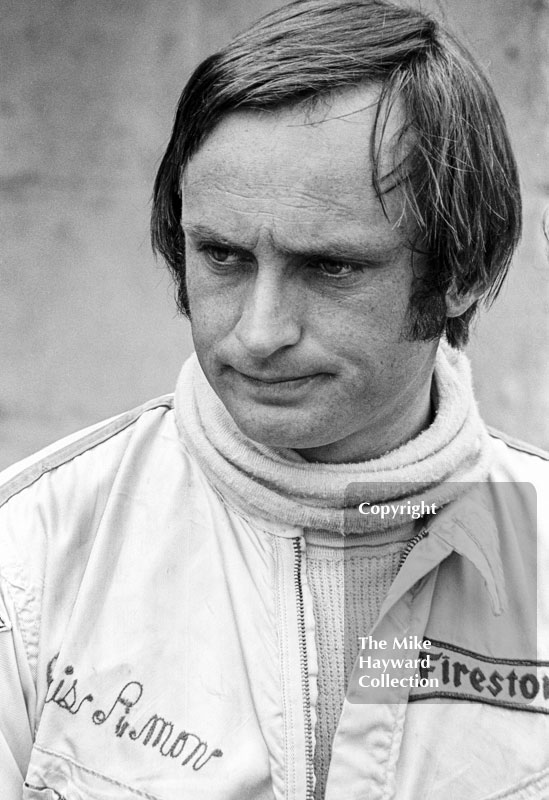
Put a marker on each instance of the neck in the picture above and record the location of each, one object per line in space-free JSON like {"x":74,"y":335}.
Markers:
{"x":278,"y":486}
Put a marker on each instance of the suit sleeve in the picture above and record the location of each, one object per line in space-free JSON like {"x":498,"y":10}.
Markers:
{"x":17,"y":699}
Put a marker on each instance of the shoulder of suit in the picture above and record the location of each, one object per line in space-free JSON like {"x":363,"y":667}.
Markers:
{"x":518,"y":445}
{"x":24,"y":473}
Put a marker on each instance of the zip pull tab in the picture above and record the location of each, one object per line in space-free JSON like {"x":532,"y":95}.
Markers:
{"x":410,"y":546}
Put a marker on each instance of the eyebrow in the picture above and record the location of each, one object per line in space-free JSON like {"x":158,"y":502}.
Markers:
{"x":335,"y":250}
{"x":210,"y":235}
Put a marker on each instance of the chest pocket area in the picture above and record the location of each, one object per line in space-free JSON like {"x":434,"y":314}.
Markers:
{"x":52,"y":776}
{"x":534,"y":788}
{"x":40,"y":793}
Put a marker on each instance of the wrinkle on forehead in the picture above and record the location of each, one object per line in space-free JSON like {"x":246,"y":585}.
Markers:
{"x":283,"y":197}
{"x":311,"y":125}
{"x":283,"y":169}
{"x":289,"y":223}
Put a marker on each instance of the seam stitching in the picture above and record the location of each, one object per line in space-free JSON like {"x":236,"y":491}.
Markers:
{"x":45,"y":789}
{"x":518,"y":444}
{"x":46,"y":464}
{"x":524,"y":787}
{"x":97,"y":774}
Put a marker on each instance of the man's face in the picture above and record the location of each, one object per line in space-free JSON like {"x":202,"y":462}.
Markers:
{"x":299,"y":285}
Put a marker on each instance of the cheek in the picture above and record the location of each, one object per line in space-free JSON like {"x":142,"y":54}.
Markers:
{"x":194,"y":279}
{"x":200,"y":313}
{"x":210,"y":317}
{"x":206,"y":291}
{"x":207,"y":325}
{"x":388,"y":313}
{"x":367,"y":323}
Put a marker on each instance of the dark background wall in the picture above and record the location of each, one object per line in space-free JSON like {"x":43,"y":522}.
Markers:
{"x":88,"y":89}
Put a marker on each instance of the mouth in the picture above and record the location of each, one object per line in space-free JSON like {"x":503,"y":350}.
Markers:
{"x":282,"y":380}
{"x":277,"y":383}
{"x":277,"y":379}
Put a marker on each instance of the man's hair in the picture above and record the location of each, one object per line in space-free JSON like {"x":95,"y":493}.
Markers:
{"x":452,"y":157}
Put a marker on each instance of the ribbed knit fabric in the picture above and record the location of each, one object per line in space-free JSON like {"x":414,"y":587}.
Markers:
{"x":278,"y":484}
{"x":348,"y":585}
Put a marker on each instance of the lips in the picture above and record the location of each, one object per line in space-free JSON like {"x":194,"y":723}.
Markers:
{"x":276,"y":378}
{"x":277,"y":383}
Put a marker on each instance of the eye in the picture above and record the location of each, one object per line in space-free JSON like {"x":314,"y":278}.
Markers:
{"x":221,"y":255}
{"x":337,"y":269}
{"x":222,"y":258}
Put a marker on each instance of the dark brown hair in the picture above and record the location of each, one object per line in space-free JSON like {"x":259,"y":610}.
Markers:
{"x":458,"y":173}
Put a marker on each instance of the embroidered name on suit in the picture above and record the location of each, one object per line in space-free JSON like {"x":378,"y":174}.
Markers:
{"x":157,"y":732}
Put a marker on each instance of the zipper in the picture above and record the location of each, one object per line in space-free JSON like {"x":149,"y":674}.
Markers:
{"x":309,"y":755}
{"x":410,"y":546}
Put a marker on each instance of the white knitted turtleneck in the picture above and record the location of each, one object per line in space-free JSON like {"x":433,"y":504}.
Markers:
{"x":280,"y":486}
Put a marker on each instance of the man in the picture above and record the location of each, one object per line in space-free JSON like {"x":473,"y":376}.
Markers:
{"x":312,"y":573}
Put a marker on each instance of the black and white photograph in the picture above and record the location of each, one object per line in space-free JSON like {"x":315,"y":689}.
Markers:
{"x":274,"y":430}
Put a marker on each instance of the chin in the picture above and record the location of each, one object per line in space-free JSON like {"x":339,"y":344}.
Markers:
{"x":271,"y":437}
{"x":277,"y":434}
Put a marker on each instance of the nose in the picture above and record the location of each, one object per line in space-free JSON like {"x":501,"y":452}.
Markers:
{"x":269,"y":319}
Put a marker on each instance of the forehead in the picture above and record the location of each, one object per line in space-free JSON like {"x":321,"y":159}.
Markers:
{"x":301,"y":169}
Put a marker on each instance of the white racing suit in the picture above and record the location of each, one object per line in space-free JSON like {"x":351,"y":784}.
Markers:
{"x":155,"y":643}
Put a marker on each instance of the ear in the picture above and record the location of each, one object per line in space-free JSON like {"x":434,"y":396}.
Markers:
{"x":457,"y":303}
